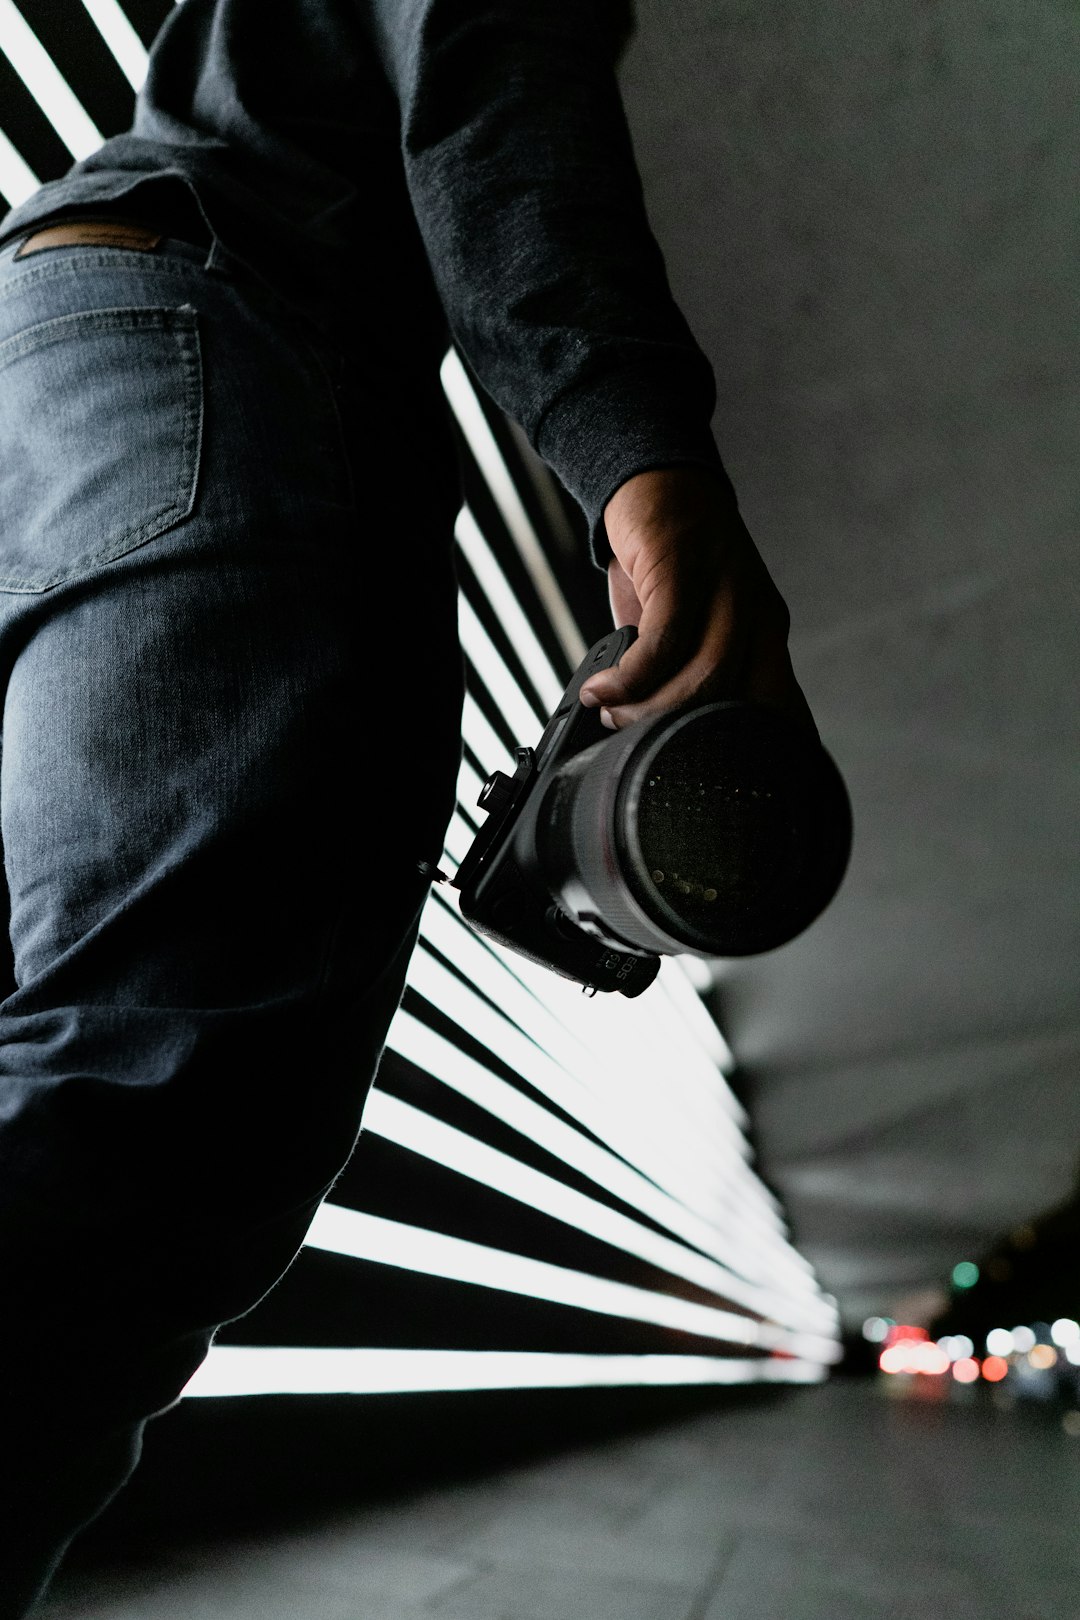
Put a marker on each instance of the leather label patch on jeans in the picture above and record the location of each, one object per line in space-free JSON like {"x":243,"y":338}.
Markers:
{"x":91,"y":233}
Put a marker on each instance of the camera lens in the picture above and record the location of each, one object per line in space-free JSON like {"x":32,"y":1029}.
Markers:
{"x":724,"y":830}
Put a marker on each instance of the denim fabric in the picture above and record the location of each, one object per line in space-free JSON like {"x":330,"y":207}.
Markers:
{"x":231,"y":715}
{"x":461,"y":166}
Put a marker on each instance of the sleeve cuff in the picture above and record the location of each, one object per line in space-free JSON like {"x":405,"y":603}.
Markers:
{"x":597,"y":436}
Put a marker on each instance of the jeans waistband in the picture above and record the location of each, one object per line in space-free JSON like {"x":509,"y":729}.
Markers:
{"x":182,"y":233}
{"x":199,"y":251}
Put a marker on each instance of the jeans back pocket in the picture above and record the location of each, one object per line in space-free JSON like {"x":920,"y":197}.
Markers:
{"x":100,"y":429}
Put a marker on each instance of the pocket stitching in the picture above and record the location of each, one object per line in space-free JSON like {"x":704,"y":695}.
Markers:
{"x":188,"y":350}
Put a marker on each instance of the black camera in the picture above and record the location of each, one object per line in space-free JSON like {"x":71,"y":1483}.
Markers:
{"x":720,"y":830}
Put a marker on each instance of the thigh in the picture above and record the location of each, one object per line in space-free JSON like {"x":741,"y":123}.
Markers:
{"x":214,"y":789}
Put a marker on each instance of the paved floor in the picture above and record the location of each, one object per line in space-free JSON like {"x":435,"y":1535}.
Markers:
{"x":837,"y":1503}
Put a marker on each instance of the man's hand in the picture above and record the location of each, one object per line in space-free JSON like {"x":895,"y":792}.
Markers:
{"x":711,"y":624}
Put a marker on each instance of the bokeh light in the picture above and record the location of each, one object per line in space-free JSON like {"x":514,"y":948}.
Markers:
{"x":1023,"y":1338}
{"x":999,"y":1342}
{"x":905,"y":1333}
{"x":994,"y":1369}
{"x":1042,"y":1356}
{"x":876,"y":1328}
{"x":1065,"y":1331}
{"x":966,"y":1370}
{"x":914,"y":1356}
{"x":957,"y":1346}
{"x":930,"y":1358}
{"x":965,"y":1275}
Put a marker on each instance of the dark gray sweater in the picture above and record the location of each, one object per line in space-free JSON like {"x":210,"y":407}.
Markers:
{"x":440,"y":168}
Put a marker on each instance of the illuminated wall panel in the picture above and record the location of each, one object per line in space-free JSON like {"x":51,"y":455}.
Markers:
{"x":550,"y":1191}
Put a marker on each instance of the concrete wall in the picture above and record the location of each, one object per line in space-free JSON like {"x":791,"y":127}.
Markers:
{"x":870,"y":217}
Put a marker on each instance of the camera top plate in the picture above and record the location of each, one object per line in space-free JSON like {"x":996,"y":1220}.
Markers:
{"x":501,"y":894}
{"x":571,"y":728}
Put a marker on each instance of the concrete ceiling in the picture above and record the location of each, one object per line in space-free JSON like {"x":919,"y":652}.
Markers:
{"x":870,"y":219}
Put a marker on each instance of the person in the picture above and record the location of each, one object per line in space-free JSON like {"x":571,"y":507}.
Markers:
{"x":231,"y":678}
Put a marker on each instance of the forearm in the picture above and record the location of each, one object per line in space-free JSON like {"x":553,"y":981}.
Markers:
{"x":523,"y":182}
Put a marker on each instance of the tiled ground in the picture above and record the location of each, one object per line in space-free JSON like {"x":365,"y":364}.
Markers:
{"x":839,"y":1503}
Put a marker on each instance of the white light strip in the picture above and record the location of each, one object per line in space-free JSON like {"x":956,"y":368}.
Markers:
{"x":681,"y":991}
{"x":444,"y":928}
{"x":240,"y":1369}
{"x":613,"y":1069}
{"x":418,"y":1044}
{"x":735,"y":1243}
{"x":361,"y":1236}
{"x":17,"y":179}
{"x":525,"y":721}
{"x":609,"y":1045}
{"x":409,"y":1127}
{"x":124,"y":43}
{"x":456,"y":843}
{"x":481,"y":441}
{"x":628,"y":1043}
{"x":701,"y":1185}
{"x":496,"y":587}
{"x":469,"y":783}
{"x":627,"y":1132}
{"x":483,"y":739}
{"x":640,"y":1047}
{"x":631,"y":1041}
{"x":46,"y":84}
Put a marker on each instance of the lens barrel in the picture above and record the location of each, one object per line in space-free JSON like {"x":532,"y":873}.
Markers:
{"x":722,"y":831}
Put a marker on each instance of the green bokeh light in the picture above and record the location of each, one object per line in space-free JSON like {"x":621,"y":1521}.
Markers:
{"x":965,"y":1275}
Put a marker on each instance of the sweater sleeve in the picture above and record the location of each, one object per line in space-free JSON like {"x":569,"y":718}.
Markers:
{"x":522,"y":178}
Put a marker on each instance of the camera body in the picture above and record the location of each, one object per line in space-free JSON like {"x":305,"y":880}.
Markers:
{"x":502,"y":891}
{"x":721,"y":830}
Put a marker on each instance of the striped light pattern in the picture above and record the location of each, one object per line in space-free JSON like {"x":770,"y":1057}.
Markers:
{"x":642,"y":1141}
{"x":630,"y":1097}
{"x":124,"y":43}
{"x":39,"y":73}
{"x":17,"y":179}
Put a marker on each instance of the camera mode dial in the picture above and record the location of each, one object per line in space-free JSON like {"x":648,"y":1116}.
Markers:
{"x":496,"y":793}
{"x":499,"y":791}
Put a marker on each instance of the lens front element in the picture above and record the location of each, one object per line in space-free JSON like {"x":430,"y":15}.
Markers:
{"x":735,"y":829}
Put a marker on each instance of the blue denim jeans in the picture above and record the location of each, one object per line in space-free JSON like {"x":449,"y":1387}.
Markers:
{"x":231,"y":695}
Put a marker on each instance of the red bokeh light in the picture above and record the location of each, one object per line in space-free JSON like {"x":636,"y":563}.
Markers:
{"x":900,"y":1333}
{"x":994,"y":1369}
{"x":966,"y":1370}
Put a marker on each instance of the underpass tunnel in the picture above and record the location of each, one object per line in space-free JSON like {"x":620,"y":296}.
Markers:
{"x":756,"y":1296}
